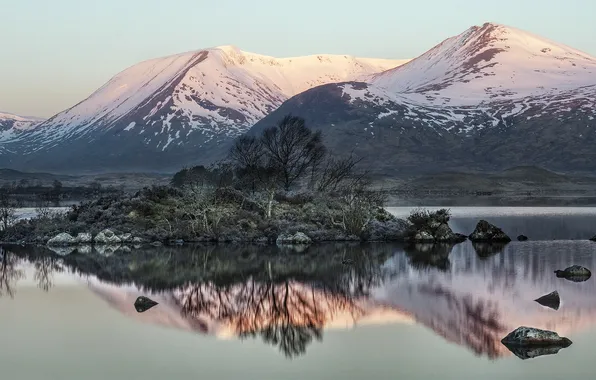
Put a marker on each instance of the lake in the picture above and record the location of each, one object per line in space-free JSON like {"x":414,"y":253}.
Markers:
{"x":259,"y":312}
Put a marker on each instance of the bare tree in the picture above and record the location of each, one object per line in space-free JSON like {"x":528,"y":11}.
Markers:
{"x":7,"y":210}
{"x":336,"y":171}
{"x":293,"y":148}
{"x":247,"y":154}
{"x":358,"y":205}
{"x":205,"y":209}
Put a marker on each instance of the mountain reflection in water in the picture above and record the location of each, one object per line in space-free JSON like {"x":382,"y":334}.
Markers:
{"x":288,"y":299}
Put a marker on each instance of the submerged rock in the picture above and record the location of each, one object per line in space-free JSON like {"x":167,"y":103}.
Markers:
{"x":142,"y":304}
{"x":486,"y":232}
{"x":61,"y":240}
{"x":575,"y":273}
{"x":532,"y":337}
{"x":107,"y":237}
{"x":533,"y":352}
{"x":551,"y":300}
{"x":522,"y":238}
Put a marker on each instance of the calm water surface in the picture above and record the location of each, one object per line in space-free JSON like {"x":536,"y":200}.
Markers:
{"x":249,"y":312}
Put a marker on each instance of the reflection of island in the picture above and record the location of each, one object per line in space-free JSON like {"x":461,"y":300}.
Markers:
{"x":473,"y":302}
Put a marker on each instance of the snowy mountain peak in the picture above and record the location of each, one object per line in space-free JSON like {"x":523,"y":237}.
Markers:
{"x":491,"y":62}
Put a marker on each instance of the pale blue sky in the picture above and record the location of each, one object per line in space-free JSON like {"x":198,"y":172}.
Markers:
{"x":54,"y":53}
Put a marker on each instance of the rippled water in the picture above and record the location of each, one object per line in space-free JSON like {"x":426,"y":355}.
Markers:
{"x":229,"y":312}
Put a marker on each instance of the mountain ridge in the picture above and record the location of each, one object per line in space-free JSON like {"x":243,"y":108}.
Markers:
{"x":176,"y":106}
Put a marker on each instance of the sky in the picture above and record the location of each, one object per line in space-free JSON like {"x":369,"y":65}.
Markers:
{"x":53,"y":54}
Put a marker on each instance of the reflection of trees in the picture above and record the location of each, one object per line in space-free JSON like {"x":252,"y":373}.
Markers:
{"x":44,"y":271}
{"x":286,"y":314}
{"x":9,"y":274}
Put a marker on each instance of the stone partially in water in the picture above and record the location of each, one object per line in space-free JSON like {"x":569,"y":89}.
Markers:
{"x":551,"y":300}
{"x":486,"y":232}
{"x":142,"y":304}
{"x":522,"y":238}
{"x":575,"y":273}
{"x":532,"y":337}
{"x":107,"y":236}
{"x":62,"y":240}
{"x":533,"y":352}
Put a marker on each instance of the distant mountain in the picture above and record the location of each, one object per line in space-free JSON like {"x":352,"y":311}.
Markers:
{"x":13,"y":125}
{"x":488,"y":99}
{"x":165,"y":113}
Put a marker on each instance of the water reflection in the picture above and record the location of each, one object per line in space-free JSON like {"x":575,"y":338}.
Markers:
{"x":289,"y":299}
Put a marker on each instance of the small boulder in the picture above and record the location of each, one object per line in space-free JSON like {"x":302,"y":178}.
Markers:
{"x":107,"y":236}
{"x":84,"y":238}
{"x":551,"y":300}
{"x":137,"y":240}
{"x":299,"y":238}
{"x":142,"y":304}
{"x":423,"y":237}
{"x":157,"y":244}
{"x":575,"y":273}
{"x":593,"y":238}
{"x":126,"y":238}
{"x":61,"y":240}
{"x":486,"y":232}
{"x":522,"y":238}
{"x":531,"y":337}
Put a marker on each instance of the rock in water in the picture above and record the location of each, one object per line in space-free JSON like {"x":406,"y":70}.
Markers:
{"x":142,"y":304}
{"x":62,"y":240}
{"x":486,"y":232}
{"x":522,"y":238}
{"x":575,"y":273}
{"x":107,"y":237}
{"x":533,"y":352}
{"x":551,"y":300}
{"x":532,"y":337}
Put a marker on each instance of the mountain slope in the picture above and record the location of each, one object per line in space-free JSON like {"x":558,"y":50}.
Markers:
{"x":168,"y":112}
{"x":465,"y":104}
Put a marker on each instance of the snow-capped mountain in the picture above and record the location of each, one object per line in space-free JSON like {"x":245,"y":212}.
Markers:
{"x":489,"y":98}
{"x":168,"y":112}
{"x":13,"y":125}
{"x":491,"y":63}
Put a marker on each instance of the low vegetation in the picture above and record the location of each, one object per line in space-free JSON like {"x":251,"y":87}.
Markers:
{"x":282,"y":182}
